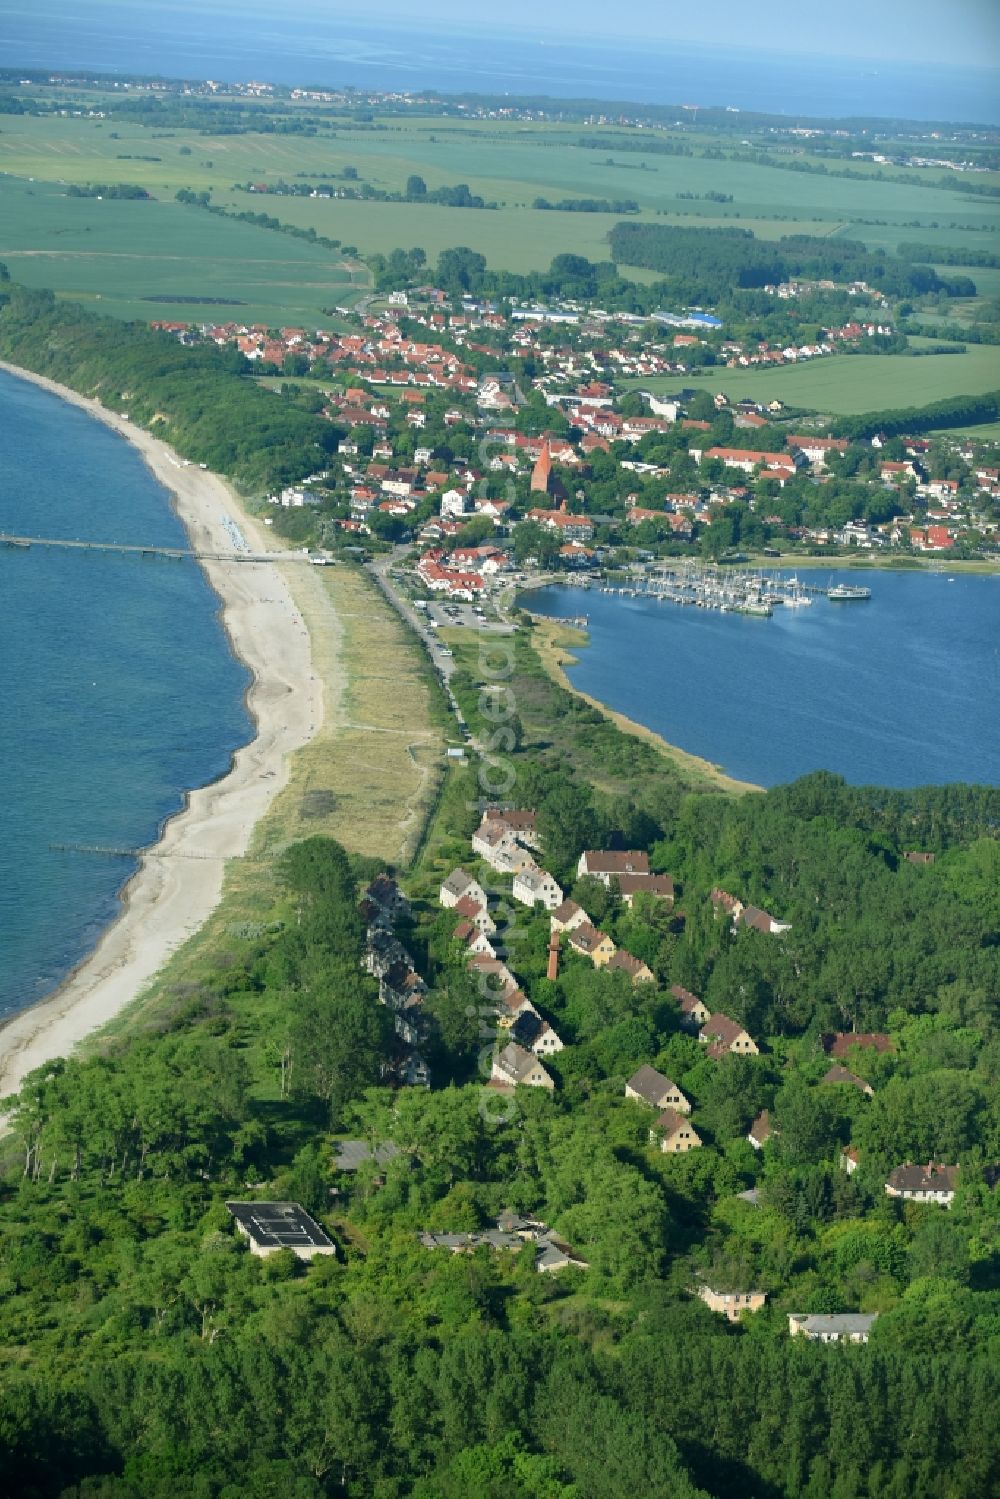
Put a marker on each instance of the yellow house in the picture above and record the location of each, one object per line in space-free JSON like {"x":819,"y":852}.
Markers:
{"x":592,"y":944}
{"x":673,"y":1133}
{"x":732,"y":1304}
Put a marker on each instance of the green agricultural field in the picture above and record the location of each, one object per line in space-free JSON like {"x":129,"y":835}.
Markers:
{"x":972,"y":223}
{"x":510,"y":163}
{"x":844,"y":385}
{"x":134,"y":258}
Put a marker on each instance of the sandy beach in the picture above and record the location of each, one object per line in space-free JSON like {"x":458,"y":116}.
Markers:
{"x":172,"y":893}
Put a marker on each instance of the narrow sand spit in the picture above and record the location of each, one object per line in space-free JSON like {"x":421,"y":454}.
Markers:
{"x":179,"y":881}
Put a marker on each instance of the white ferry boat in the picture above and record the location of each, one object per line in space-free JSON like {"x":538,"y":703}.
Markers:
{"x":842,"y":593}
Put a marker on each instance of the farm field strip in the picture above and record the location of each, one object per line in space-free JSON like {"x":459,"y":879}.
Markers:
{"x":142,"y":259}
{"x":848,"y":384}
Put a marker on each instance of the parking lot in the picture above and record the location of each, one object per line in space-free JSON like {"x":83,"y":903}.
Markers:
{"x":452,"y":615}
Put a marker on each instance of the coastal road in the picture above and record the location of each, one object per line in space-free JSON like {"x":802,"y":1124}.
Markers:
{"x":380,"y":568}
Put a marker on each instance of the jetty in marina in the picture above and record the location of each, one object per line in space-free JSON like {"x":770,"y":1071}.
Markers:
{"x":731,"y":591}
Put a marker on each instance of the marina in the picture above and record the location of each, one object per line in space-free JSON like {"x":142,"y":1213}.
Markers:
{"x":899,"y":692}
{"x":702,"y":586}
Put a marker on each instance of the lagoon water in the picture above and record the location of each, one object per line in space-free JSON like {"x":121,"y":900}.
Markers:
{"x":119,"y":689}
{"x":901,"y":690}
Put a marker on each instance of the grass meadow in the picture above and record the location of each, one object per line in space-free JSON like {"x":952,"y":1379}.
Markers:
{"x":845,"y":385}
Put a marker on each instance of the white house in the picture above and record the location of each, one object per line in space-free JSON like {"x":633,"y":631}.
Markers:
{"x":459,"y":884}
{"x":533,"y":886}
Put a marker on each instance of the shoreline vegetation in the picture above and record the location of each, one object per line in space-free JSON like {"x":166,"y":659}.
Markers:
{"x":332,"y":754}
{"x":329,"y":1048}
{"x":555,"y":643}
{"x":179,"y":881}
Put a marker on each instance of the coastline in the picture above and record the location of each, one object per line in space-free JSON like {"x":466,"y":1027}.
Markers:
{"x":179,"y":879}
{"x":554,"y":643}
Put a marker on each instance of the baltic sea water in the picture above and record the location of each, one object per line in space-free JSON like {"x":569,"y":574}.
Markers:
{"x":118,"y":688}
{"x":900,"y":690}
{"x":330,"y":46}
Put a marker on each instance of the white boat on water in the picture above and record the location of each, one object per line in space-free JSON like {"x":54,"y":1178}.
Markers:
{"x":842,"y":593}
{"x":794,"y":596}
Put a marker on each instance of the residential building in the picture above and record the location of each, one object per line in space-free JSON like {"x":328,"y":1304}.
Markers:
{"x":537,"y":887}
{"x":491,"y":840}
{"x":762,"y":921}
{"x":835,"y":1327}
{"x":723,"y":901}
{"x":568,"y":916}
{"x":522,"y":823}
{"x":838,"y":1074}
{"x":661,"y":886}
{"x":606,"y":865}
{"x":839,"y":1043}
{"x":570,"y":527}
{"x":511,"y":856}
{"x":674,"y":1133}
{"x":722,"y":1035}
{"x":694,"y":1012}
{"x":535,"y":1034}
{"x":624,"y":962}
{"x":459,"y":884}
{"x":494,"y":976}
{"x":590,"y":943}
{"x":470,"y":910}
{"x":930,"y":1183}
{"x":475,"y":941}
{"x":386,"y":894}
{"x":649,"y":1086}
{"x":515,"y":1067}
{"x":510,"y":1008}
{"x":761,"y":1130}
{"x":732,"y":1304}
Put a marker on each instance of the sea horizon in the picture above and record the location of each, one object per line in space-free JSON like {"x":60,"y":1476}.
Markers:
{"x":331,"y":52}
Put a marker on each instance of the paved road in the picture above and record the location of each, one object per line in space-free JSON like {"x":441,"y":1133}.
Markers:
{"x":443,"y":665}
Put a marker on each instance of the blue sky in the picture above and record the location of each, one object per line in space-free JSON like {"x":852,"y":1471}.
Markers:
{"x":946,"y":31}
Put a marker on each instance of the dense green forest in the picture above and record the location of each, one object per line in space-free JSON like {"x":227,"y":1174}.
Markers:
{"x":461,"y":271}
{"x":954,"y":411}
{"x":148,"y":1354}
{"x":947,"y":254}
{"x":202,"y":400}
{"x":724,"y":268}
{"x":702,"y":265}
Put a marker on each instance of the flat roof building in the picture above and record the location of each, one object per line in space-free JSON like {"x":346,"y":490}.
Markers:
{"x":271,"y":1226}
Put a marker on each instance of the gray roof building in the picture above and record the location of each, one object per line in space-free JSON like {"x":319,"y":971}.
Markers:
{"x":836,"y":1327}
{"x":272,"y":1226}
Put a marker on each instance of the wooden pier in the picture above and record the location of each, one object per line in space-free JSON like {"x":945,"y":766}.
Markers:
{"x":103,"y":851}
{"x":176,"y":554}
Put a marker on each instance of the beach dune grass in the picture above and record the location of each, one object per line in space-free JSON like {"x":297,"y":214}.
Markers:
{"x":369,"y":778}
